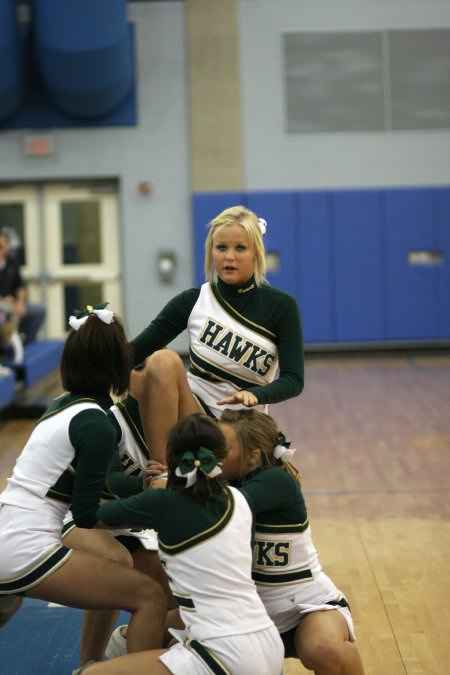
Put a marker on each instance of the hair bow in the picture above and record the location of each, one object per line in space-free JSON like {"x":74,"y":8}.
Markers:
{"x":80,"y":316}
{"x":284,"y":453}
{"x":283,"y":449}
{"x":202,"y":459}
{"x":262,"y":225}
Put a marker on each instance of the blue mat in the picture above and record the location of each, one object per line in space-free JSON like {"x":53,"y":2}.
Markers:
{"x":42,"y":640}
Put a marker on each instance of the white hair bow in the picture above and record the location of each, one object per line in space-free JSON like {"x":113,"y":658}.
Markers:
{"x":79,"y":317}
{"x":284,"y":453}
{"x":262,"y":225}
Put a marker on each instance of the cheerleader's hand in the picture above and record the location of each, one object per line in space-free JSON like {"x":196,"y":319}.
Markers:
{"x":243,"y":397}
{"x":159,"y":481}
{"x":152,"y":471}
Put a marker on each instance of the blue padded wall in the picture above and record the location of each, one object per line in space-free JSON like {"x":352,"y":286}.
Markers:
{"x":412,"y":311}
{"x":359,"y":259}
{"x":441,"y":210}
{"x":279,"y":209}
{"x":344,"y":256}
{"x":316,"y":273}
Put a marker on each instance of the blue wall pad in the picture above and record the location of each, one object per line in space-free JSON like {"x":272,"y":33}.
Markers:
{"x":279,"y":209}
{"x":359,"y":245}
{"x":441,"y":213}
{"x":41,"y":357}
{"x":412,"y":309}
{"x":315,"y":262}
{"x":365,"y":265}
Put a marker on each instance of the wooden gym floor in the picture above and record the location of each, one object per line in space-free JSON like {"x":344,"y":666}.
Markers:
{"x":373,"y":439}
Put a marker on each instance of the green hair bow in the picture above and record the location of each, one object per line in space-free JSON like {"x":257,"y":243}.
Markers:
{"x":191,"y":462}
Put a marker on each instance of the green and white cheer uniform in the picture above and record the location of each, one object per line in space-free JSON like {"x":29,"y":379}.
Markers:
{"x":124,"y":477}
{"x":132,"y":452}
{"x":239,"y":338}
{"x":286,"y":567}
{"x":62,"y":466}
{"x":207,"y":555}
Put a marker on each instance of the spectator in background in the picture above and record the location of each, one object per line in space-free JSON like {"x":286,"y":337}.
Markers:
{"x":28,"y":316}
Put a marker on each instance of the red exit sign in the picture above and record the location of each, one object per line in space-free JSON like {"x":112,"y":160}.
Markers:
{"x":39,"y":145}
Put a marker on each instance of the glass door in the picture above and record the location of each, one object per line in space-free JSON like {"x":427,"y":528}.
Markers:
{"x":66,"y":237}
{"x":81,"y":250}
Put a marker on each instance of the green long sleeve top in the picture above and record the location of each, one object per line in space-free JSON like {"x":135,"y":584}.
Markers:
{"x":65,"y":459}
{"x":268,"y":307}
{"x":124,"y":478}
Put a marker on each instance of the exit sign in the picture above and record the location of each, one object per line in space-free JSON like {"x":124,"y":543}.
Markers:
{"x":39,"y":146}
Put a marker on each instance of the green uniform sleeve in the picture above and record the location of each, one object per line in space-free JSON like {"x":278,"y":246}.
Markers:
{"x":273,"y":490}
{"x":141,"y":510}
{"x":290,"y":381}
{"x":93,"y":437}
{"x":119,"y":482}
{"x":170,"y":322}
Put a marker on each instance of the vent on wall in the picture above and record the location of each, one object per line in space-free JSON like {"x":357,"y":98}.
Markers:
{"x":367,"y":81}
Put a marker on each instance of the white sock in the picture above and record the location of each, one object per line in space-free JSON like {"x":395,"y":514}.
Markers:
{"x":16,"y":344}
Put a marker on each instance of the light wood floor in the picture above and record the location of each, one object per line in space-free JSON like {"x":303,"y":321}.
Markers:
{"x":373,"y":439}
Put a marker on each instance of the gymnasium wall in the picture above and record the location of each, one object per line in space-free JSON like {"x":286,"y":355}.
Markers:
{"x":359,"y":221}
{"x":367,"y":267}
{"x":154,"y":149}
{"x":344,"y":208}
{"x":276,"y":159}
